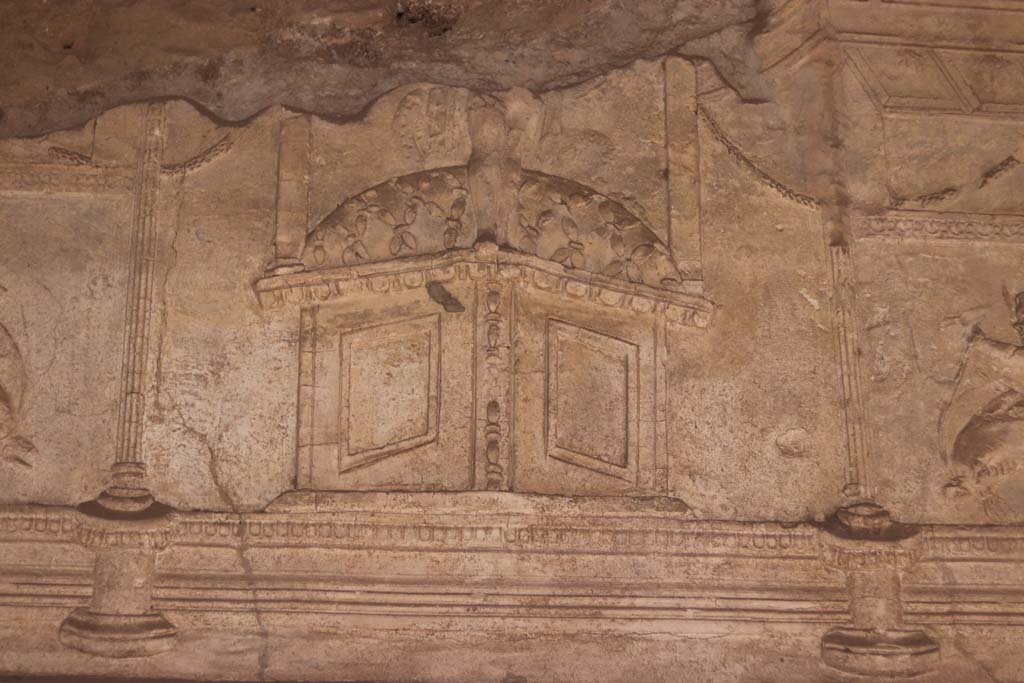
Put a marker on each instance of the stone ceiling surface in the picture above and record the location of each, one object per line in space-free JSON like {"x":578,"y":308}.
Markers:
{"x":65,"y":61}
{"x":512,"y":342}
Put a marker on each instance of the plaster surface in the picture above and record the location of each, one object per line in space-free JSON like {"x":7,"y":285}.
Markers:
{"x":450,"y":341}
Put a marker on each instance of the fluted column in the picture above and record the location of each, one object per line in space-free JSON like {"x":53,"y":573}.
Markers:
{"x":125,"y":525}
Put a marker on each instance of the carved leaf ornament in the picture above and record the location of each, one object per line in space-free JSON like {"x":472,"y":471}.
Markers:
{"x":553,"y":218}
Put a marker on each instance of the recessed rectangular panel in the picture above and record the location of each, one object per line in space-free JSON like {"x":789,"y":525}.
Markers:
{"x":389,"y":390}
{"x":906,"y":79}
{"x":591,"y":401}
{"x":386,"y":404}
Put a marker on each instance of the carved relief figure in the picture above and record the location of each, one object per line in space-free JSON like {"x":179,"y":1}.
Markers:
{"x":14,"y":447}
{"x":982,"y":429}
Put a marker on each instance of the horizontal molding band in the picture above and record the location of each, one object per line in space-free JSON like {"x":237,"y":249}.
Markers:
{"x":592,"y":534}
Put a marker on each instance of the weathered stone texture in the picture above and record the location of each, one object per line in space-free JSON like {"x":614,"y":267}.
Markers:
{"x":690,"y":358}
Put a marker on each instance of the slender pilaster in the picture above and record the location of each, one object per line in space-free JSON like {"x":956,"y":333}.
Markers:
{"x":292,"y":205}
{"x":846,"y":349}
{"x":682,"y":166}
{"x":128,"y":490}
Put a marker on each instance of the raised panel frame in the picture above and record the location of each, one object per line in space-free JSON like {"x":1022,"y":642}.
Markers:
{"x":426,"y":327}
{"x":437,"y":458}
{"x":539,"y":468}
{"x":558,"y":331}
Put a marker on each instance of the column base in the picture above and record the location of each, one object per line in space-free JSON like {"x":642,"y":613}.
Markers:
{"x":117,"y":635}
{"x":880,"y":653}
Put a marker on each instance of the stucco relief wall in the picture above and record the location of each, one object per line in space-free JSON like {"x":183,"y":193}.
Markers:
{"x":668,"y":368}
{"x":222,"y":373}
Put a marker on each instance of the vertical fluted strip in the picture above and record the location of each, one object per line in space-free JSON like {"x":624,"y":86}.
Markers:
{"x":138,"y":307}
